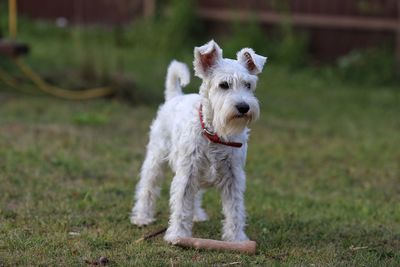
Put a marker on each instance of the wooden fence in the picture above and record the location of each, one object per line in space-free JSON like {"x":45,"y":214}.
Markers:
{"x":335,"y":26}
{"x":85,"y":11}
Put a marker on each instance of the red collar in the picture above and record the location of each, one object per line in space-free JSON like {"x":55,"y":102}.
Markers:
{"x":213,"y":137}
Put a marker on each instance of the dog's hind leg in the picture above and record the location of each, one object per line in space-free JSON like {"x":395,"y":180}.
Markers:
{"x":147,"y":190}
{"x":199,"y":214}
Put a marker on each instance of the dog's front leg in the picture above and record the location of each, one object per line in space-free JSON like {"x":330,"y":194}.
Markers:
{"x":233,"y":205}
{"x":182,"y":195}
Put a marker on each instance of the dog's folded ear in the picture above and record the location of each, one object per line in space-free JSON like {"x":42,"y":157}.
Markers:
{"x":251,"y":61}
{"x":205,"y":58}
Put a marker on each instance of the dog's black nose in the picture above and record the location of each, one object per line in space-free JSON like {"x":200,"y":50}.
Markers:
{"x":243,"y":107}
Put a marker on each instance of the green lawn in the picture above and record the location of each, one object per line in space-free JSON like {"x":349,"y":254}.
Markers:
{"x":323,"y":180}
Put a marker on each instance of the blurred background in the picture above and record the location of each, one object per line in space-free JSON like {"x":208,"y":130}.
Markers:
{"x":323,"y":159}
{"x":127,"y":44}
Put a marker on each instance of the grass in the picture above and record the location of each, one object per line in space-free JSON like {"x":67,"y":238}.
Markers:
{"x":323,"y":164}
{"x":323,"y":183}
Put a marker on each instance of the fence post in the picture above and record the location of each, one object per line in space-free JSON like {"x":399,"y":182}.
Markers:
{"x":398,"y":38}
{"x":12,"y":19}
{"x":149,"y":8}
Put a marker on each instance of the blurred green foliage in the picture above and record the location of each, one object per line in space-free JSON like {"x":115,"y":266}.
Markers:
{"x":283,"y":45}
{"x":168,"y":34}
{"x":133,"y":58}
{"x":373,"y":66}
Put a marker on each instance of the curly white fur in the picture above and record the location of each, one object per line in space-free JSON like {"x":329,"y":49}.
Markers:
{"x":176,"y":138}
{"x":178,"y":75}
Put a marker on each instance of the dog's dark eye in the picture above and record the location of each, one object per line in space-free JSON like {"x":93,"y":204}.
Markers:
{"x":247,"y":85}
{"x":224,"y":85}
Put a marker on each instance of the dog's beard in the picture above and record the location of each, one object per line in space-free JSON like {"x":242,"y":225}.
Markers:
{"x":227,"y":121}
{"x":232,"y":124}
{"x":237,"y":123}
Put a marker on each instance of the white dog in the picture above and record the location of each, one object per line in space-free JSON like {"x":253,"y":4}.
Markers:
{"x":203,"y":137}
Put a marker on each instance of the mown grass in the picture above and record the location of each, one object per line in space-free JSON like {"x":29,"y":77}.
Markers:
{"x":323,"y":180}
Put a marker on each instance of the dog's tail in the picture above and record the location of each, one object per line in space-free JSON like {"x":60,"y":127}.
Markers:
{"x":178,"y":76}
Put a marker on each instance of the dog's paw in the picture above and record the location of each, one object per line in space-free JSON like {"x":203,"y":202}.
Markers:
{"x":141,"y":220}
{"x":172,"y":236}
{"x":200,"y":216}
{"x":241,"y":236}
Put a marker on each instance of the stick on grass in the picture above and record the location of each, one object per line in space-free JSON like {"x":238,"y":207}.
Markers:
{"x":151,"y":235}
